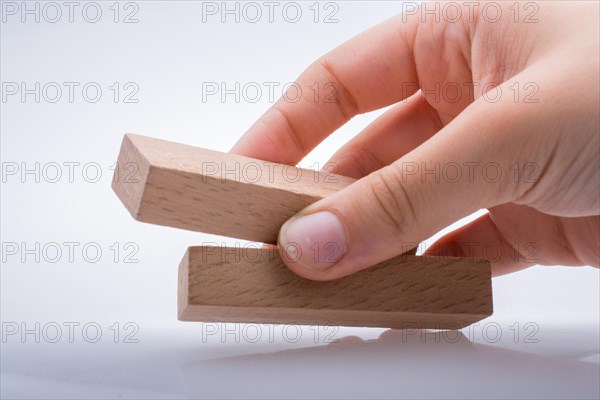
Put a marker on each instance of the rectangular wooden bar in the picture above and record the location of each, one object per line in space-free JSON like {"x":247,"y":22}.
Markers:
{"x":218,"y":284}
{"x":186,"y":187}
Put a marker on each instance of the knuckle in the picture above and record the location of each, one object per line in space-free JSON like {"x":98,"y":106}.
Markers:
{"x":392,"y":199}
{"x":339,"y":93}
{"x":363,"y":160}
{"x":295,"y":141}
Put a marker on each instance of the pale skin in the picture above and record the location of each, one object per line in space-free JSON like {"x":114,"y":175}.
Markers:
{"x":540,"y":128}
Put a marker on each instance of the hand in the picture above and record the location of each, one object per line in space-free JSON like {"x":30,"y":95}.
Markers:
{"x":492,"y":108}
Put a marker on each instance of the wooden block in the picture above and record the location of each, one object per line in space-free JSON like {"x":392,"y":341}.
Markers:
{"x":218,"y":284}
{"x":202,"y":190}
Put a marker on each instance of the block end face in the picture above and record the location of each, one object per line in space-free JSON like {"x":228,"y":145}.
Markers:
{"x":183,"y":280}
{"x":130,"y":176}
{"x":487,"y":293}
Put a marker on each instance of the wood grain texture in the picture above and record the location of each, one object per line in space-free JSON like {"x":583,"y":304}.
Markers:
{"x":218,"y":284}
{"x":202,"y":190}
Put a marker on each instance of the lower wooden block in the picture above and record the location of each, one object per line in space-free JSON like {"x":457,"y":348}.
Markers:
{"x":223,"y":284}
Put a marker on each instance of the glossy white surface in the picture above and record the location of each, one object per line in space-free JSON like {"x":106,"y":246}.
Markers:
{"x":174,"y":361}
{"x":542,"y":342}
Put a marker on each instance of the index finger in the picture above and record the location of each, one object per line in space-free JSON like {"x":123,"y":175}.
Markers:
{"x":371,"y":71}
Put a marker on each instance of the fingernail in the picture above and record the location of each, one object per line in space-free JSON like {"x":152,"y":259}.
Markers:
{"x":315,"y":240}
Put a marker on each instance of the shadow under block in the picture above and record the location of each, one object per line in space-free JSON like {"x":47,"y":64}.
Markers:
{"x":186,"y":187}
{"x":219,"y":284}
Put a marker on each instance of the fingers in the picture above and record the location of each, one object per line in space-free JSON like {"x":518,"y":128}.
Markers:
{"x":535,"y":238}
{"x":371,"y":71}
{"x":481,"y":239}
{"x":547,"y":239}
{"x":397,"y":132}
{"x":395,"y":207}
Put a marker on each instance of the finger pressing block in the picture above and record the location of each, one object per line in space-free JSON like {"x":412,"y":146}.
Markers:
{"x":219,"y":284}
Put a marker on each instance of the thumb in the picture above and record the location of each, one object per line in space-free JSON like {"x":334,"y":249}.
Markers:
{"x":466,"y":166}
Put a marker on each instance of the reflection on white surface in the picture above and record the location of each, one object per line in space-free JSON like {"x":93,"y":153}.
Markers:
{"x":177,"y":361}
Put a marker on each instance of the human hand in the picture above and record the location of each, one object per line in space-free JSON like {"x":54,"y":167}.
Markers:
{"x":506,"y":118}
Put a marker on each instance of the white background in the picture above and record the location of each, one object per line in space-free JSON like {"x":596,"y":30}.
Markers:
{"x":168,"y":55}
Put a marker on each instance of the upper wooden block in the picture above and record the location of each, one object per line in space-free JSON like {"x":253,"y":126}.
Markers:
{"x":186,"y":187}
